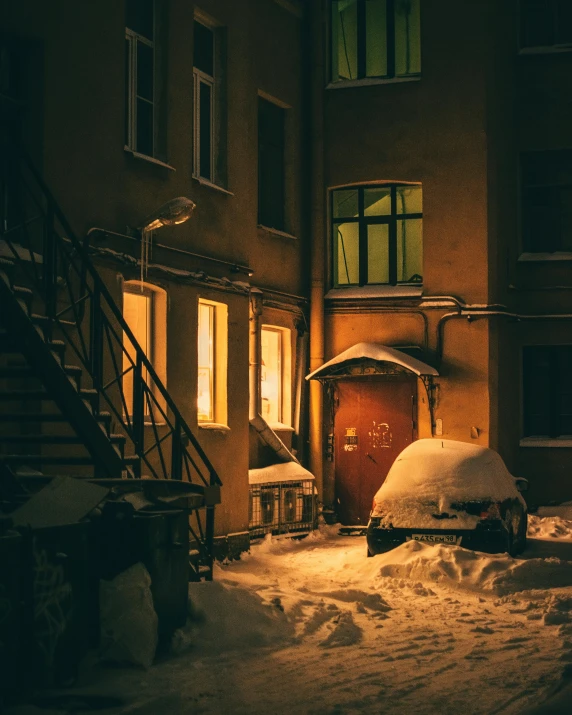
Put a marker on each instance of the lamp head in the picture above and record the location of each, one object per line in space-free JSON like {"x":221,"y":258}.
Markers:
{"x":173,"y":212}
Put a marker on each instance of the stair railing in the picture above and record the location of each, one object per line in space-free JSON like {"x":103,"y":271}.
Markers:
{"x":75,"y":299}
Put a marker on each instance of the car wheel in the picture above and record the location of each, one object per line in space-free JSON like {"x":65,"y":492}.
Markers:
{"x":369,"y":554}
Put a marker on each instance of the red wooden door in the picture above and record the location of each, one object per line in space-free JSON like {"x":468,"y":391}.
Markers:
{"x":375,"y":420}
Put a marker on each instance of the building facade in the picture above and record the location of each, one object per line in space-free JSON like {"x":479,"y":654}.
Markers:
{"x":379,"y":197}
{"x":445,"y":236}
{"x":124,"y":107}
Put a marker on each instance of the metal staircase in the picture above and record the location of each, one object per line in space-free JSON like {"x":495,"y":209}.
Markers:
{"x":66,"y":356}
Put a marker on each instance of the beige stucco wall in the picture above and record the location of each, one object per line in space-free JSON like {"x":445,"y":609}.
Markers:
{"x":76,"y":132}
{"x":433,"y":131}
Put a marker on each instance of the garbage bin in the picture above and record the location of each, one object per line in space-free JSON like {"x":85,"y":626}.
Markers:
{"x":56,"y":583}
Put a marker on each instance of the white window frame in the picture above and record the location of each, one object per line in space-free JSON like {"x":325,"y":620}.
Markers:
{"x":218,"y":331}
{"x":133,"y":38}
{"x":200,"y":77}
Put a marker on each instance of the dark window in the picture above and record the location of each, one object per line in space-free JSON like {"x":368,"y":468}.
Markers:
{"x":547,"y":390}
{"x":203,"y":50}
{"x":140,"y":76}
{"x":270,"y":164}
{"x":377,"y":235}
{"x":545,"y":23}
{"x":375,"y":38}
{"x":547,"y":201}
{"x":209,"y":140}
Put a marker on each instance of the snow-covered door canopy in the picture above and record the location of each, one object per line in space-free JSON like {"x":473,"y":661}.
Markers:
{"x":371,"y":352}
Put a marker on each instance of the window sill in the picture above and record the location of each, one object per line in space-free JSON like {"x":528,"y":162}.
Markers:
{"x":276,"y":232}
{"x":214,"y":426}
{"x":375,"y":291}
{"x":149,"y":159}
{"x":216,"y":187}
{"x":370,"y":82}
{"x":542,"y":257}
{"x":546,"y":442}
{"x":545,"y":50}
{"x":280,"y":427}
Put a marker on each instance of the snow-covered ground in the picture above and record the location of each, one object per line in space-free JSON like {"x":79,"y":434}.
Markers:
{"x":313,"y":626}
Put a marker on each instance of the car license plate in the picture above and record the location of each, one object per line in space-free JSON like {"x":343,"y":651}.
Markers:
{"x":437,"y":538}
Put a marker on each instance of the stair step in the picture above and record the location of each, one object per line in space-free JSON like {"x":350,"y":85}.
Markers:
{"x":24,"y":295}
{"x":26,"y":371}
{"x":103,"y":418}
{"x":129,"y":459}
{"x":42,"y":320}
{"x":13,"y":395}
{"x":117,"y":439}
{"x":44,"y":459}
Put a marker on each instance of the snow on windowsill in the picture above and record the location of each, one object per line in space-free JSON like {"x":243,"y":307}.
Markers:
{"x":214,"y":426}
{"x":546,"y":442}
{"x":150,"y":159}
{"x":376,"y":291}
{"x":276,"y":232}
{"x":370,"y":81}
{"x":538,"y":257}
{"x":211,"y":185}
{"x":280,"y":427}
{"x":544,"y":50}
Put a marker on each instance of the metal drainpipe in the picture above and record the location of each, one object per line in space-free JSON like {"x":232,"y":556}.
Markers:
{"x":475,"y":315}
{"x":317,"y":242}
{"x":254,"y":349}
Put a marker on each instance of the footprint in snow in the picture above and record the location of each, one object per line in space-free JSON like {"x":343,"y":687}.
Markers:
{"x":482,"y":629}
{"x":320,"y":616}
{"x":372,"y":601}
{"x":344,"y":633}
{"x":518,"y":639}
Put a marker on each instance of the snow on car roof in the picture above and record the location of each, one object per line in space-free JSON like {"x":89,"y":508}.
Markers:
{"x":433,"y":468}
{"x":381,"y":353}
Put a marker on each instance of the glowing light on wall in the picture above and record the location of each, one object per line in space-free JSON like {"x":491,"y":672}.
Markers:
{"x":271,"y":375}
{"x":205,"y":385}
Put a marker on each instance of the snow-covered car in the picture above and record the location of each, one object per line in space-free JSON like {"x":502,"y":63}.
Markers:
{"x":448,"y":492}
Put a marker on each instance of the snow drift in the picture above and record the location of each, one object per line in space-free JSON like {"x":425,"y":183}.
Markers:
{"x":454,"y":566}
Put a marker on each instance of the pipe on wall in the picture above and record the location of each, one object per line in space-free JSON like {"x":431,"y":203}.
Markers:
{"x":254,"y":350}
{"x":475,"y":315}
{"x":315,"y":51}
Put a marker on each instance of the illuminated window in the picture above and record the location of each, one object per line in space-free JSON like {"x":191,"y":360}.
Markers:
{"x":212,"y":362}
{"x":144,"y":310}
{"x":546,"y":24}
{"x":375,"y":39}
{"x":275,"y":375}
{"x":209,"y":135}
{"x":377,"y":235}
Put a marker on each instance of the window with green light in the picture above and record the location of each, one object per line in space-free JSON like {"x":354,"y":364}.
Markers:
{"x":375,"y":39}
{"x":377,"y":235}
